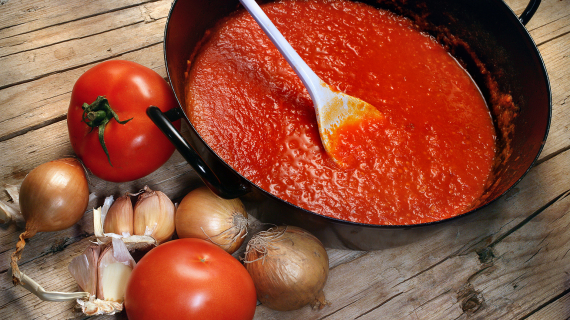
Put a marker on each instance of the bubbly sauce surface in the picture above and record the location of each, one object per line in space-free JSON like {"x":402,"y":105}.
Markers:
{"x":427,"y":159}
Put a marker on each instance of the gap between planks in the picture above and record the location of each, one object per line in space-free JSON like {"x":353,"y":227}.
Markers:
{"x":79,"y":66}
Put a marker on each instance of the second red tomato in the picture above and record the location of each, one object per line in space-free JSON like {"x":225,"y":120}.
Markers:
{"x":190,"y":279}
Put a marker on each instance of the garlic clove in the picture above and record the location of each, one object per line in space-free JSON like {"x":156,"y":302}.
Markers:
{"x":119,"y":218}
{"x":114,"y":281}
{"x":113,"y":271}
{"x":154,"y":211}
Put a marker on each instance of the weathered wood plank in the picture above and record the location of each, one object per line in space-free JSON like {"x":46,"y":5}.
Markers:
{"x":549,"y":22}
{"x":77,"y":27}
{"x":559,"y":309}
{"x":44,"y":242}
{"x":45,"y":100}
{"x":41,"y":62}
{"x":556,"y":54}
{"x":548,"y":12}
{"x":23,"y":153}
{"x":28,"y":16}
{"x":537,"y":253}
{"x":50,"y":271}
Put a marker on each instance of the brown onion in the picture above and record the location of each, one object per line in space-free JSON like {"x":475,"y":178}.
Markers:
{"x":289,"y":267}
{"x":204,"y":215}
{"x":53,"y":197}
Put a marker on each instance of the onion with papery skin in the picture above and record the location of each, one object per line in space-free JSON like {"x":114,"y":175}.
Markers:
{"x":204,"y":215}
{"x":53,"y":197}
{"x":289,"y":267}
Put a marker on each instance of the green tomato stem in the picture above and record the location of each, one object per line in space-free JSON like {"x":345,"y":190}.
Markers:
{"x":97,"y":115}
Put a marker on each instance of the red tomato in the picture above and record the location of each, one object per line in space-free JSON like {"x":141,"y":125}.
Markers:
{"x":135,"y":148}
{"x":189,"y":279}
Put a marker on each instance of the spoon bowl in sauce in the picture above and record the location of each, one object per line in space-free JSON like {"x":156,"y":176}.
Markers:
{"x":334,"y":109}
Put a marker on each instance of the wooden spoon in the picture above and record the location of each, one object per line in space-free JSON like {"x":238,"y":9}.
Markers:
{"x":333,"y":108}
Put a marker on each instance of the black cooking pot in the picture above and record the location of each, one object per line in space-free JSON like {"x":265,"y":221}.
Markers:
{"x":485,"y":36}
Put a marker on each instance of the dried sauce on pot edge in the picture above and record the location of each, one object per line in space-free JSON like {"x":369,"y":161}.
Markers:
{"x":427,"y":160}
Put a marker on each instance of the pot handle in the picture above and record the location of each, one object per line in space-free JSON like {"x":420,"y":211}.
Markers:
{"x":529,"y":11}
{"x":163,"y":122}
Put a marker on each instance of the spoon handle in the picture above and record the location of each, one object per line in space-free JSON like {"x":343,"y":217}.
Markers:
{"x":311,"y":81}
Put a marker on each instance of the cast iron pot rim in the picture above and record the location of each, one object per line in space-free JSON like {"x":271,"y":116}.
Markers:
{"x":511,"y":16}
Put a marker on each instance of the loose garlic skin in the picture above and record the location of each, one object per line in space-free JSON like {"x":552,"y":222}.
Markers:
{"x":119,"y":218}
{"x":84,"y":269}
{"x":154,"y":211}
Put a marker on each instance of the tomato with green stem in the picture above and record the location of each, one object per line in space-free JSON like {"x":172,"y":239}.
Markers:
{"x":108,"y":125}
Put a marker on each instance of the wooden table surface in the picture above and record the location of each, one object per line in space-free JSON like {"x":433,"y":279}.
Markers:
{"x":511,"y":261}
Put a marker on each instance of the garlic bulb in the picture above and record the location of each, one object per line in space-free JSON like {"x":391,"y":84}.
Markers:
{"x":154,"y":215}
{"x":119,"y":218}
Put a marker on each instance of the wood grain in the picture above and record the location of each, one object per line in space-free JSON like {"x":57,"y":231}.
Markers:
{"x":557,"y":59}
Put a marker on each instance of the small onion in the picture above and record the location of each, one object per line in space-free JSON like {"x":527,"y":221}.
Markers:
{"x":289,"y":267}
{"x":53,"y":197}
{"x":204,"y":215}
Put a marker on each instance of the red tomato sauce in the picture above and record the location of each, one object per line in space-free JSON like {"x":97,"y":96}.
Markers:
{"x":427,"y":159}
